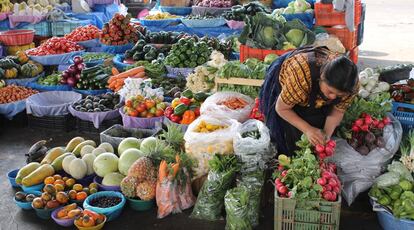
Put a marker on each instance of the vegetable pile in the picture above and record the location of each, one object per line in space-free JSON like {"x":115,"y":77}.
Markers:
{"x":370,"y":86}
{"x":239,"y":13}
{"x":327,"y":150}
{"x":295,"y":7}
{"x":55,"y":45}
{"x":155,"y":69}
{"x":403,"y":92}
{"x":88,"y":57}
{"x":144,"y":51}
{"x":215,"y":3}
{"x":50,"y":80}
{"x":19,"y":66}
{"x":119,"y":31}
{"x":188,"y":53}
{"x":117,"y":81}
{"x":83,"y":33}
{"x":12,"y":93}
{"x":185,"y":109}
{"x":139,"y":87}
{"x":94,"y":78}
{"x":72,"y":75}
{"x":171,"y":86}
{"x":160,"y":16}
{"x":100,"y":103}
{"x":163,"y":37}
{"x":144,"y":107}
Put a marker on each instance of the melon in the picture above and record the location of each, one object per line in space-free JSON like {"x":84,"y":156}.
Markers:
{"x":127,"y":159}
{"x":98,"y":151}
{"x":86,"y":149}
{"x":148,"y":143}
{"x":112,"y":179}
{"x":66,"y":163}
{"x":78,"y":168}
{"x":128,"y":143}
{"x":89,"y":158}
{"x":105,"y":163}
{"x":108,"y":147}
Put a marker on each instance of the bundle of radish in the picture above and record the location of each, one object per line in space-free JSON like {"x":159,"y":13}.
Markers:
{"x":72,"y":75}
{"x":367,"y":133}
{"x":325,"y":151}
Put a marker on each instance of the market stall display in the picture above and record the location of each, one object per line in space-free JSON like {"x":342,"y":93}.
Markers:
{"x":118,"y":35}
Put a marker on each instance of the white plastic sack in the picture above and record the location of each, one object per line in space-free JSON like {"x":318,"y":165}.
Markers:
{"x":202,"y":146}
{"x":254,"y":153}
{"x":357,"y":172}
{"x":53,"y":103}
{"x":211,"y":106}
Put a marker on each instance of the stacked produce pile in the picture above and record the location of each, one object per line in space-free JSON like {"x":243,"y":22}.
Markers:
{"x":144,"y":51}
{"x":12,"y":93}
{"x":295,"y":7}
{"x":188,"y":53}
{"x":144,"y":107}
{"x":50,"y":80}
{"x":239,"y":13}
{"x":55,"y":45}
{"x":19,"y":66}
{"x":119,"y":31}
{"x":216,"y":3}
{"x":100,"y":103}
{"x":83,"y":33}
{"x":160,"y":16}
{"x":72,"y":75}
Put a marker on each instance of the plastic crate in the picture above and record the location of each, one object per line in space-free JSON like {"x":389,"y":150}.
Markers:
{"x":289,"y":216}
{"x":353,"y":55}
{"x":87,"y":126}
{"x":326,"y":15}
{"x":64,"y":123}
{"x":360,"y":35}
{"x":405,"y":118}
{"x":61,"y":28}
{"x":248,"y":52}
{"x":41,"y":29}
{"x":348,"y":38}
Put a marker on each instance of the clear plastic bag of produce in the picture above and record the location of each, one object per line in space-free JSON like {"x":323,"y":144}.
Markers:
{"x":201,"y":146}
{"x":185,"y":192}
{"x":387,"y":179}
{"x":357,"y":172}
{"x":254,"y":181}
{"x":95,"y":117}
{"x":213,"y":105}
{"x":210,"y":201}
{"x":54,"y":103}
{"x":254,"y":153}
{"x":399,"y":168}
{"x":167,"y":197}
{"x":236,"y":202}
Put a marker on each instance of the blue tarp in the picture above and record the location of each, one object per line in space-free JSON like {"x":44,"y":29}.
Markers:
{"x":9,"y":110}
{"x":96,"y":18}
{"x":108,"y":10}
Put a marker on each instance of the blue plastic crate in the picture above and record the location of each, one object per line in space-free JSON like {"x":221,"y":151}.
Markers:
{"x":183,"y":11}
{"x":41,"y":29}
{"x":389,"y":222}
{"x":406,"y":118}
{"x":60,"y":28}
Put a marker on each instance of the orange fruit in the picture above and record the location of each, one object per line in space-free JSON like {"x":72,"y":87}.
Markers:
{"x":77,"y":187}
{"x":49,"y":180}
{"x":59,"y":181}
{"x":59,"y":187}
{"x":62,"y":197}
{"x":93,"y":185}
{"x":70,"y":182}
{"x":72,"y":194}
{"x":81,"y":196}
{"x":57,"y":177}
{"x":65,"y":178}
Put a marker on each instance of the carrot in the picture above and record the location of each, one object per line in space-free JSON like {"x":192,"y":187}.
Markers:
{"x":138,"y":75}
{"x":114,"y":71}
{"x":163,"y":171}
{"x":130,"y":72}
{"x":175,"y":167}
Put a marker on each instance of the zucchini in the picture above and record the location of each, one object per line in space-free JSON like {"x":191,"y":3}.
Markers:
{"x":91,"y":69}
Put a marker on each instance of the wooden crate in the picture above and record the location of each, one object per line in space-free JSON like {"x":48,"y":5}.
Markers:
{"x":256,"y":83}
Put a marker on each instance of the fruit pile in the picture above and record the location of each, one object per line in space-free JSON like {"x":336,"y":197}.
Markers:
{"x":24,"y":197}
{"x":72,"y":75}
{"x":88,"y":218}
{"x":204,"y":127}
{"x":83,"y":33}
{"x":55,"y":45}
{"x":144,"y":107}
{"x":70,"y":211}
{"x":12,"y":93}
{"x":367,"y":133}
{"x":119,"y":31}
{"x":50,"y":198}
{"x":99,"y":103}
{"x":105,"y":201}
{"x":186,"y":109}
{"x":79,"y":193}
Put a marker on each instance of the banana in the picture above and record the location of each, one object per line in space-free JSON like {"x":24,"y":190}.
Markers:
{"x":37,"y":146}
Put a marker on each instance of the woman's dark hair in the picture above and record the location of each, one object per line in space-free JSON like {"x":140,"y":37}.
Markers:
{"x":341,"y":73}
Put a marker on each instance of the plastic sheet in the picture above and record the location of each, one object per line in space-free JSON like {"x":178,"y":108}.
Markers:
{"x":160,"y":23}
{"x":211,"y":106}
{"x":108,"y":10}
{"x":96,"y":117}
{"x":56,"y":59}
{"x":39,"y":87}
{"x":209,"y":31}
{"x":116,"y":49}
{"x":358,"y":172}
{"x":91,"y":92}
{"x":204,"y":23}
{"x":23,"y":81}
{"x":55,"y":103}
{"x":96,"y":18}
{"x":202,"y":146}
{"x":139,"y":122}
{"x":9,"y":110}
{"x":235,"y":25}
{"x":178,"y":72}
{"x":118,"y":62}
{"x":90,"y":43}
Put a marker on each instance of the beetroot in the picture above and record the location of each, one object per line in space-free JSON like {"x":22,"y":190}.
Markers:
{"x":77,"y":60}
{"x":369,"y":138}
{"x":380,"y":142}
{"x":363,"y":150}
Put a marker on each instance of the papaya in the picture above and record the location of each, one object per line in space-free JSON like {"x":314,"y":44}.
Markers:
{"x":26,"y":170}
{"x":52,"y":154}
{"x":73,"y":143}
{"x":57,"y":163}
{"x":38,"y":175}
{"x":79,"y":147}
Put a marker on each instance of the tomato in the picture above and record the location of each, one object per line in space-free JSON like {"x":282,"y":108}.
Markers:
{"x":159,"y":113}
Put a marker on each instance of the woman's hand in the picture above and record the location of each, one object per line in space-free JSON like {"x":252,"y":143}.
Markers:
{"x":315,"y":136}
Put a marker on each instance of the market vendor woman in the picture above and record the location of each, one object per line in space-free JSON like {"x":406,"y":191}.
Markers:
{"x":307,"y":92}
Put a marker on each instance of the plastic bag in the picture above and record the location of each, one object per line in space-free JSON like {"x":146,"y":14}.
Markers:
{"x":330,"y":41}
{"x":387,"y":179}
{"x":209,"y":202}
{"x":202,"y":146}
{"x":96,"y":117}
{"x":185,"y":192}
{"x":54,"y":103}
{"x":254,"y":182}
{"x":254,"y":153}
{"x":236,"y":202}
{"x":211,"y":106}
{"x":167,"y":197}
{"x":399,"y":168}
{"x":358,"y":172}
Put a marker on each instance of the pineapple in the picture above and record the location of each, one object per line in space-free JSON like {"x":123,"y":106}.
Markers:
{"x":174,"y":136}
{"x":146,"y":190}
{"x":141,"y":169}
{"x":128,"y":186}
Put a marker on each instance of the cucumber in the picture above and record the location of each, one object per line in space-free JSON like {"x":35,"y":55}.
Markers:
{"x":91,"y":69}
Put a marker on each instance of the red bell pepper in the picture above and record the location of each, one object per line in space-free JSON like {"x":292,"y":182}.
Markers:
{"x":168,"y":111}
{"x":175,"y":118}
{"x":185,"y":101}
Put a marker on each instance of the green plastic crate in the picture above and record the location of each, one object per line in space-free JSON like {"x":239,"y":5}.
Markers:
{"x":60,"y":28}
{"x":324,"y":216}
{"x":41,"y":29}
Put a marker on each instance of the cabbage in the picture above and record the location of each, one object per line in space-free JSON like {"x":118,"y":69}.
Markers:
{"x":295,"y":36}
{"x":270,"y":58}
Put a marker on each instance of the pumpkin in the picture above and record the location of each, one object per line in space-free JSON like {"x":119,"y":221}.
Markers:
{"x":2,"y":73}
{"x":29,"y":70}
{"x":22,"y":57}
{"x":10,"y":73}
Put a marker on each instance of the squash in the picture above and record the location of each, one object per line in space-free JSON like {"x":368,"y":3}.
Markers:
{"x":2,"y":73}
{"x":10,"y":73}
{"x":66,"y":163}
{"x":37,"y":176}
{"x":22,"y":57}
{"x":57,"y":163}
{"x":78,"y":168}
{"x":25,"y":171}
{"x":52,"y":154}
{"x":29,"y":70}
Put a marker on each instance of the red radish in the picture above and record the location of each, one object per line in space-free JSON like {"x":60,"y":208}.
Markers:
{"x":329,"y":151}
{"x":328,"y":187}
{"x":359,"y":122}
{"x":321,"y":181}
{"x":368,"y":120}
{"x":381,"y":125}
{"x":326,"y":175}
{"x":278,"y":181}
{"x":289,"y":194}
{"x":363,"y":115}
{"x":386,"y":120}
{"x":278,"y":186}
{"x":283,"y":190}
{"x":322,"y":156}
{"x":355,"y":128}
{"x":365,"y":128}
{"x":280,"y":168}
{"x":334,"y":196}
{"x":375,"y":122}
{"x":336,"y":189}
{"x":284,"y":173}
{"x":319,"y":148}
{"x":331,"y":143}
{"x":327,"y":195}
{"x":332,"y":182}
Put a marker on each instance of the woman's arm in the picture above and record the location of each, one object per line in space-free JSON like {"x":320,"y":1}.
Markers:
{"x":332,"y":121}
{"x":315,"y":136}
